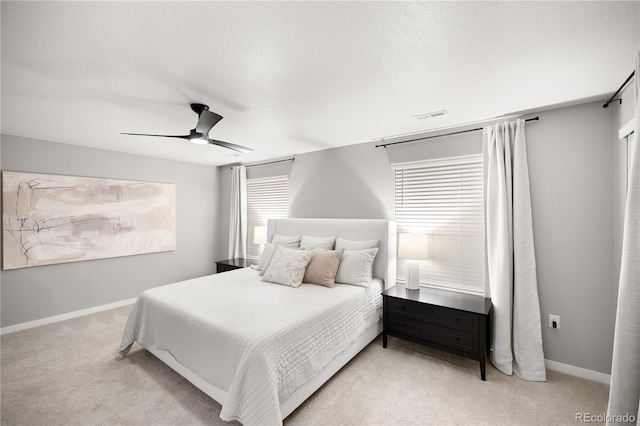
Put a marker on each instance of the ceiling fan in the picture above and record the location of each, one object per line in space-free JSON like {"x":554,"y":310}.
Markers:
{"x":200,"y":134}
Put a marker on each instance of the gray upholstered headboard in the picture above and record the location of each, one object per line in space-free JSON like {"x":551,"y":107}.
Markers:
{"x":384,"y":266}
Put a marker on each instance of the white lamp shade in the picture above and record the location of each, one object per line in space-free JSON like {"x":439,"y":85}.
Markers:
{"x":413,"y":246}
{"x":260,"y":235}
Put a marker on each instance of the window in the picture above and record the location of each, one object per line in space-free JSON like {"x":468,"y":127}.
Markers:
{"x":444,"y":199}
{"x":266,"y":199}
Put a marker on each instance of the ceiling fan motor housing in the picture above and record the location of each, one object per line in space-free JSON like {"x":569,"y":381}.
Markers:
{"x":198,"y":108}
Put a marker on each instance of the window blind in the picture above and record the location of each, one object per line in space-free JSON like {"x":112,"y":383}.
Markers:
{"x":266,"y":199}
{"x":444,"y":199}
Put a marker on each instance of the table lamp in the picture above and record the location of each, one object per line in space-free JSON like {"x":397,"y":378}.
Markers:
{"x":260,"y":236}
{"x":414,"y":248}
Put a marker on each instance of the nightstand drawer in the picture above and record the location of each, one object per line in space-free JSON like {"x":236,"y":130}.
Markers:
{"x":434,"y":314}
{"x":432,"y":333}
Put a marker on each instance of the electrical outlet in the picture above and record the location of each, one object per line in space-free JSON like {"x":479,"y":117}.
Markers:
{"x":554,"y":321}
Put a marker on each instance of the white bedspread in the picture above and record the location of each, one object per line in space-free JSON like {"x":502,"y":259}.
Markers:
{"x":256,"y":340}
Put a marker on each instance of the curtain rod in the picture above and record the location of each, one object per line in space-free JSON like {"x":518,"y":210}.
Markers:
{"x":618,"y":91}
{"x":384,"y":145}
{"x":269,"y":162}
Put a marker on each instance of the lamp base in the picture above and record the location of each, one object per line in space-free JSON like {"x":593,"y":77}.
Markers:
{"x":413,"y":275}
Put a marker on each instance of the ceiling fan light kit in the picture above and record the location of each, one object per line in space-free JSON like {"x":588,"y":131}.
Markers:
{"x":199,"y":140}
{"x":200,"y":134}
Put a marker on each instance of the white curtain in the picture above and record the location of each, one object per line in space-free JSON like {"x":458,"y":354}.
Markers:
{"x":624,"y":394}
{"x":510,"y":254}
{"x":238,"y":213}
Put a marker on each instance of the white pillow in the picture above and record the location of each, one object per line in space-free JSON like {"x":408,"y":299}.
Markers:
{"x":341,"y":243}
{"x":356,"y":267}
{"x":287,"y":266}
{"x":265,"y":259}
{"x":293,"y":242}
{"x":326,"y":243}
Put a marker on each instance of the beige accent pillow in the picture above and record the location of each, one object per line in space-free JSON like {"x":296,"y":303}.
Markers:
{"x":323,"y":267}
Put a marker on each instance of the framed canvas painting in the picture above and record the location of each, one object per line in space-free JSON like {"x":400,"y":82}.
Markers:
{"x":50,"y":219}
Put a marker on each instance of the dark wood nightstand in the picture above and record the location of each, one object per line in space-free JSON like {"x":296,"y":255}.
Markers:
{"x":446,"y":320}
{"x":231,"y":264}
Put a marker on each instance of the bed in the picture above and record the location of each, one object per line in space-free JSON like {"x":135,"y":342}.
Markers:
{"x":261,"y":349}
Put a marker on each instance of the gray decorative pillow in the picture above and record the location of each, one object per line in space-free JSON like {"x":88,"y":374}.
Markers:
{"x":265,"y":259}
{"x":293,"y":241}
{"x":287,"y":266}
{"x":326,"y":243}
{"x":356,"y":267}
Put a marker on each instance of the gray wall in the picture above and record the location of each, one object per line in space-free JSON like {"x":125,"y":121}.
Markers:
{"x":571,"y":169}
{"x":350,"y":182}
{"x":43,"y":291}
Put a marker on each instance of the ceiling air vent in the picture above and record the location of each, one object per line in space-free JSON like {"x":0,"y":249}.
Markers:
{"x":431,"y":115}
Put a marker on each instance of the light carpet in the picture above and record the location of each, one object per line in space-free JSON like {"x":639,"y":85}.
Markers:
{"x":69,"y":373}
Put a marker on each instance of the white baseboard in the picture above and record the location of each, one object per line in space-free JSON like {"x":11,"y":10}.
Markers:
{"x":578,"y":372}
{"x":62,"y":317}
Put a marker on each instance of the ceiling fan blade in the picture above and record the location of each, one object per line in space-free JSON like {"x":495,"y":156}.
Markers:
{"x":206,"y":120}
{"x":232,"y":146}
{"x":159,"y":136}
{"x":199,"y":135}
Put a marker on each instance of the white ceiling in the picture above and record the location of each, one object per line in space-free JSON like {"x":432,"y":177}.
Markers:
{"x":294,"y":77}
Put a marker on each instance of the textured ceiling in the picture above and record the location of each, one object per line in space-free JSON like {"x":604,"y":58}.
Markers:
{"x":293,"y":77}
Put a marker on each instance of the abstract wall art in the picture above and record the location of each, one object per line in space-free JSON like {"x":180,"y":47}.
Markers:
{"x":49,"y":219}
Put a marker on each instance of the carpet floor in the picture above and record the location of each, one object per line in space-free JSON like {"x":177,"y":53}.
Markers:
{"x":69,"y":373}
